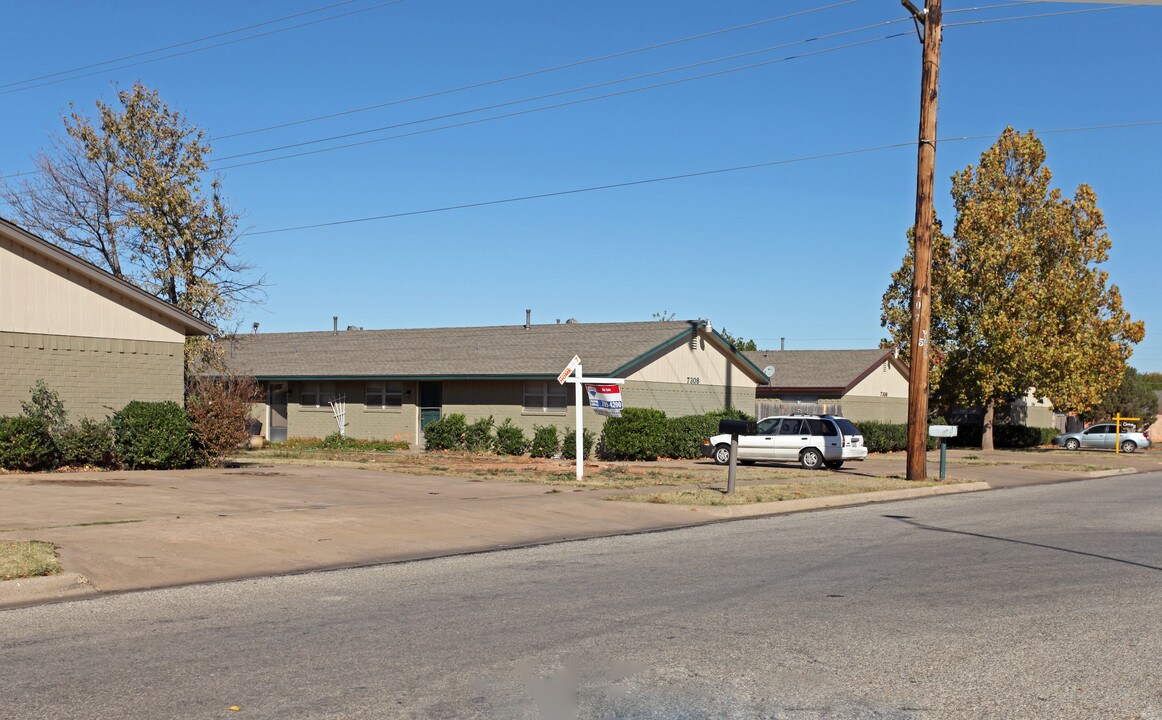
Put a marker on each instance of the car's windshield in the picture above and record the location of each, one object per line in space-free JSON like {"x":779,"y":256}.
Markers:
{"x":766,"y":426}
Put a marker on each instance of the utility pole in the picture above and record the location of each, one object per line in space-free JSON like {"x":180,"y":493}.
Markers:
{"x":928,"y":25}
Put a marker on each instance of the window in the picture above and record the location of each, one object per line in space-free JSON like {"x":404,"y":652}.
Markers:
{"x":316,"y":394}
{"x":790,"y":426}
{"x":384,"y":394}
{"x":544,"y":396}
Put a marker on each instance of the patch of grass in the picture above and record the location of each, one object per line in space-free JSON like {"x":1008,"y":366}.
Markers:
{"x":1069,"y":467}
{"x":27,"y":558}
{"x":106,"y":522}
{"x":824,"y":487}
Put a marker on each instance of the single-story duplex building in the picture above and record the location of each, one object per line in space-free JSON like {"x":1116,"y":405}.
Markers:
{"x":858,"y":384}
{"x":96,"y":340}
{"x":394,"y":382}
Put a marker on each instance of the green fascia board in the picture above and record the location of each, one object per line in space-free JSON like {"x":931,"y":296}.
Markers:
{"x":666,"y":345}
{"x":746,"y":361}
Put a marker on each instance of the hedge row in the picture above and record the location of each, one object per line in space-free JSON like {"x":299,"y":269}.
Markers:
{"x":893,"y":437}
{"x":645,"y":434}
{"x":639,"y":434}
{"x":141,"y":435}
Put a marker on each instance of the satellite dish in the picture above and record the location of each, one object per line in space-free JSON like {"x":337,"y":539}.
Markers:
{"x":769,"y":371}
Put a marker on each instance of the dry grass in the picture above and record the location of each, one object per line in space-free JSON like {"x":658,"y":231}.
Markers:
{"x":599,"y":475}
{"x":27,"y":558}
{"x":1069,"y":467}
{"x":826,"y":486}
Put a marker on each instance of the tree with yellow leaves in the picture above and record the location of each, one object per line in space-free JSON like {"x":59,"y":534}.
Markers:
{"x":125,"y":191}
{"x":1018,"y":298}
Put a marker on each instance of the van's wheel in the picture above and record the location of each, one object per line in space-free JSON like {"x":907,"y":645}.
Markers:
{"x":833,"y":464}
{"x":811,"y":459}
{"x":722,"y":455}
{"x":1072,"y":444}
{"x":1129,"y":446}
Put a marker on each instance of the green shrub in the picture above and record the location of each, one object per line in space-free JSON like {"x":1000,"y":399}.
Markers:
{"x":90,"y":443}
{"x":684,"y":435}
{"x":546,"y":442}
{"x":478,"y":436}
{"x":881,"y":437}
{"x":25,"y":444}
{"x":153,"y":435}
{"x":639,"y":434}
{"x":569,"y":444}
{"x":447,"y":433}
{"x":335,"y":441}
{"x":510,"y":440}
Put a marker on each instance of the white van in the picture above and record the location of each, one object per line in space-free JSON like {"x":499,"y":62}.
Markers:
{"x":814,"y":441}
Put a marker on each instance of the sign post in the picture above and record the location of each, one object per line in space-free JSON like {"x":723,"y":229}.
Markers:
{"x":1118,"y":420}
{"x":604,"y":398}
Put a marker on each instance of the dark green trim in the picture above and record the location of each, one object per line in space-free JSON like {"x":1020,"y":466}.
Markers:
{"x":758,"y":371}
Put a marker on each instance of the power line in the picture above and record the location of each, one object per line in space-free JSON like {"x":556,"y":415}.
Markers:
{"x":557,"y":93}
{"x":174,"y":45}
{"x":592,"y":188}
{"x":192,"y":51}
{"x":532,"y":73}
{"x":681,"y":176}
{"x":1042,"y":15}
{"x":553,"y":106}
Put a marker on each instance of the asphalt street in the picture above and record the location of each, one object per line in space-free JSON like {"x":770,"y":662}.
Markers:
{"x":1034,"y":602}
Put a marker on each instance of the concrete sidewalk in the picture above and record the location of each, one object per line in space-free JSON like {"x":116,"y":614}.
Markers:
{"x":124,"y":531}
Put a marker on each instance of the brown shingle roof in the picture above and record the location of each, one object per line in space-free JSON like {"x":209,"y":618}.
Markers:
{"x":818,"y":369}
{"x":497,"y":351}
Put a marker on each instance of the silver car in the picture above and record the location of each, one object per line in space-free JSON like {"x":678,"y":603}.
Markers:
{"x":1102,"y":435}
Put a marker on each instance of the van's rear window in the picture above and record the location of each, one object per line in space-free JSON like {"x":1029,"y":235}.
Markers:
{"x":846,"y":427}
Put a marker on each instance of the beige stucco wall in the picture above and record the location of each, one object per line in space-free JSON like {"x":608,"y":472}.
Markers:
{"x":885,"y":381}
{"x":39,"y":295}
{"x":93,"y":376}
{"x":699,"y":363}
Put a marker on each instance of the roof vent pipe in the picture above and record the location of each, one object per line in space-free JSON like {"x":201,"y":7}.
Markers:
{"x":528,"y":318}
{"x":335,"y":324}
{"x":782,"y":343}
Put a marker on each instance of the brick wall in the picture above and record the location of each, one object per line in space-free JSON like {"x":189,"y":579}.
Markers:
{"x":93,"y":376}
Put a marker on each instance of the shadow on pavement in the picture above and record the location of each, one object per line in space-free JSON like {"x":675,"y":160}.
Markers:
{"x":908,"y":520}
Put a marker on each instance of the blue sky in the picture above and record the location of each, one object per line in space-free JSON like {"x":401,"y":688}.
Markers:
{"x":800,"y":251}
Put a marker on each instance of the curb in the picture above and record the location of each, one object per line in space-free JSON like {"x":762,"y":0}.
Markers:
{"x":835,"y":501}
{"x":51,"y":588}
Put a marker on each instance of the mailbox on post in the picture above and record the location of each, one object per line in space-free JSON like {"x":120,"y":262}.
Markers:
{"x":943,"y":432}
{"x":734,"y":428}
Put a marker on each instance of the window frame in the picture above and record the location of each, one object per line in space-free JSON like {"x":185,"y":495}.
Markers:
{"x":548,"y":390}
{"x":385,"y":393}
{"x":323,"y":392}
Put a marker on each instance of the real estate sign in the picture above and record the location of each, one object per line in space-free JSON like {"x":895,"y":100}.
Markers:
{"x":605,"y":399}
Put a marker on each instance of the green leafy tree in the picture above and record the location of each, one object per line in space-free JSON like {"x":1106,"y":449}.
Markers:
{"x":1132,"y":398}
{"x":739,"y":343}
{"x":125,"y":191}
{"x":1018,"y":298}
{"x":1153,"y":380}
